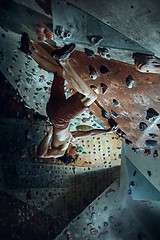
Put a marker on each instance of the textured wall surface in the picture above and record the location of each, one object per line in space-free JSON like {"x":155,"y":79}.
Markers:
{"x":128,"y":96}
{"x":138,"y":20}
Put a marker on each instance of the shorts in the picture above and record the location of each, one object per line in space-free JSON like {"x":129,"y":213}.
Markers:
{"x":61,"y":110}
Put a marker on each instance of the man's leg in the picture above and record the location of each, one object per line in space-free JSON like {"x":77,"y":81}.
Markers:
{"x":41,"y":53}
{"x":77,"y":82}
{"x":57,"y":99}
{"x":57,"y":89}
{"x":44,"y":59}
{"x":44,"y":50}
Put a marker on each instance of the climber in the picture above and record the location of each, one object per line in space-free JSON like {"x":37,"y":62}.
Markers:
{"x":60,"y":110}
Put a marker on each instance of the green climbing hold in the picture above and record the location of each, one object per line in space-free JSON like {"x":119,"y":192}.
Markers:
{"x":80,"y":149}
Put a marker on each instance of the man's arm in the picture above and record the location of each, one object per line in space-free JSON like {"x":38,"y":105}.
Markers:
{"x":53,"y":153}
{"x":78,"y":134}
{"x":44,"y":151}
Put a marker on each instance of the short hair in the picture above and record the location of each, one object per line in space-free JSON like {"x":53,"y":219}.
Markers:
{"x":67,"y":159}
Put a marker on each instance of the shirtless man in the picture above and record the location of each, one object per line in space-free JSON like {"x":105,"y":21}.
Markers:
{"x":59,"y":109}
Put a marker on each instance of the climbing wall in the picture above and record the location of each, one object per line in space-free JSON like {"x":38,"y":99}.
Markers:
{"x":106,"y":218}
{"x":89,"y":31}
{"x":100,"y":150}
{"x":147,"y":175}
{"x":138,"y":117}
{"x":127,"y":98}
{"x":38,"y":191}
{"x":33,"y":85}
{"x":115,"y":214}
{"x":136,"y":105}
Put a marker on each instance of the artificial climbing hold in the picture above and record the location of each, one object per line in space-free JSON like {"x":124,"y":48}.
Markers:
{"x":151,"y":114}
{"x":153,"y":135}
{"x":92,"y":72}
{"x":105,"y":114}
{"x":129,"y":81}
{"x":112,"y":123}
{"x":89,"y":52}
{"x":115,"y":102}
{"x":103,"y":52}
{"x":104,"y":69}
{"x":95,"y":39}
{"x":114,"y":114}
{"x":151,"y":143}
{"x":128,"y":142}
{"x":142,"y":126}
{"x":104,"y":87}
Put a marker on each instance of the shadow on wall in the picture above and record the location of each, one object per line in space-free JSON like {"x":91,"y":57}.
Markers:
{"x":10,"y":101}
{"x":78,"y":197}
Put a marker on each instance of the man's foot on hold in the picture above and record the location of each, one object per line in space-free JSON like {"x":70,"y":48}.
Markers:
{"x":25,"y":42}
{"x":64,"y":52}
{"x":146,"y":63}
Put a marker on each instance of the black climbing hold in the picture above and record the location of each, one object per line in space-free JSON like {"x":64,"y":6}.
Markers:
{"x":104,"y":69}
{"x":59,"y":30}
{"x":149,"y":173}
{"x":155,"y":154}
{"x":129,"y":191}
{"x":129,"y":81}
{"x":38,"y":89}
{"x":109,"y":192}
{"x":128,"y":142}
{"x":153,"y":135}
{"x":115,"y":102}
{"x":151,"y":143}
{"x":104,"y":87}
{"x":103,"y":52}
{"x":119,"y":156}
{"x":136,"y":150}
{"x":112,"y":123}
{"x":18,"y":80}
{"x":95,"y":39}
{"x":92,"y":72}
{"x":122,"y":135}
{"x":134,"y":173}
{"x":114,"y":114}
{"x":89,"y":52}
{"x":151,"y":114}
{"x":142,"y":126}
{"x":132,"y":184}
{"x":105,"y":114}
{"x":105,"y":224}
{"x":66,"y":34}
